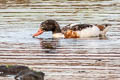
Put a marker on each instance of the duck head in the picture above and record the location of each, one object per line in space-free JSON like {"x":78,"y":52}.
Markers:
{"x":48,"y":25}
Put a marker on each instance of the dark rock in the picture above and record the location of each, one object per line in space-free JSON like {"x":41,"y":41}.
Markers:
{"x":29,"y":75}
{"x":3,"y":70}
{"x":16,"y":69}
{"x":11,"y":69}
{"x":21,"y":72}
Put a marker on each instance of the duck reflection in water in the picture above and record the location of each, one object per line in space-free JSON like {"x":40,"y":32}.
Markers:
{"x":49,"y":45}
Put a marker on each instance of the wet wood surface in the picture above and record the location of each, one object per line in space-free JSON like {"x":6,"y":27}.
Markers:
{"x":61,"y":59}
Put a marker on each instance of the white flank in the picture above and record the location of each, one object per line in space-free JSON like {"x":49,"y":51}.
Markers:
{"x":89,"y":32}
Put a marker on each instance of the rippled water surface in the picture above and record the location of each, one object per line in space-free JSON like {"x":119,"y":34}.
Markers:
{"x":61,"y":59}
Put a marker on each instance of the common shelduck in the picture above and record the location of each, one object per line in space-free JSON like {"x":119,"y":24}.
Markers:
{"x":72,"y":30}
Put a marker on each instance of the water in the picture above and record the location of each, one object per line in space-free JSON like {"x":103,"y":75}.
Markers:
{"x":67,"y":59}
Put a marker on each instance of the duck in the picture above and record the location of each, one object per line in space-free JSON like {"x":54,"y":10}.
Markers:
{"x":50,"y":25}
{"x":75,"y":30}
{"x":85,"y":30}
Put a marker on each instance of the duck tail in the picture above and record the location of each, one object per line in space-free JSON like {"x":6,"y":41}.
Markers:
{"x":105,"y":30}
